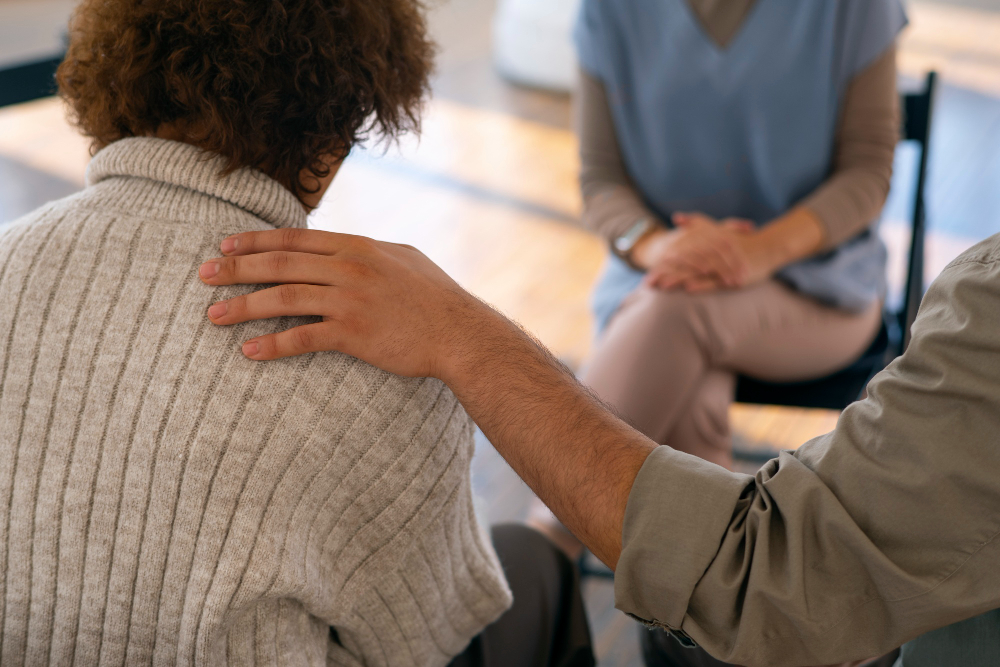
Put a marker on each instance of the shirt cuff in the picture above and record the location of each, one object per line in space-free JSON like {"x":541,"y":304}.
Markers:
{"x":678,"y":512}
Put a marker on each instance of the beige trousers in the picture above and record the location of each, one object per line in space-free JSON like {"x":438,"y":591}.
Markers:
{"x":668,"y":360}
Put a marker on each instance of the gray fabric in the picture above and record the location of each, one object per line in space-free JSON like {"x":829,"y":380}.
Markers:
{"x":164,"y":500}
{"x":971,"y":643}
{"x":862,"y":539}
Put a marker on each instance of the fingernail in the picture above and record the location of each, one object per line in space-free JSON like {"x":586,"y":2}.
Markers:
{"x":218,"y":310}
{"x":251,"y":348}
{"x":229,"y":245}
{"x":209,"y":270}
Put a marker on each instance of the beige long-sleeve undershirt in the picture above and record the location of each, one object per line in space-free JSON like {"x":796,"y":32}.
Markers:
{"x":846,"y":203}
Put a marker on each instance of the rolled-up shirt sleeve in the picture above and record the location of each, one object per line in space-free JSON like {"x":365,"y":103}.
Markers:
{"x":862,"y":539}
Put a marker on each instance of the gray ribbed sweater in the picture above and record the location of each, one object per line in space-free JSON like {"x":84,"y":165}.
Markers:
{"x":164,"y":500}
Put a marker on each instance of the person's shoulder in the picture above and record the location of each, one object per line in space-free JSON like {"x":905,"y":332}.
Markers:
{"x":402,"y":400}
{"x":350,"y":391}
{"x":963,"y":303}
{"x":375,"y":385}
{"x":865,"y":30}
{"x":970,"y":284}
{"x":985,"y":253}
{"x":870,"y":8}
{"x":43,"y":222}
{"x":48,"y":212}
{"x":970,"y":281}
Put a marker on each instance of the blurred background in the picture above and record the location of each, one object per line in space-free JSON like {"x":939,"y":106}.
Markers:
{"x":489,"y":190}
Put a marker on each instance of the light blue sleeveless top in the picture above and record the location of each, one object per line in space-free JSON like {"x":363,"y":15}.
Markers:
{"x":744,"y":131}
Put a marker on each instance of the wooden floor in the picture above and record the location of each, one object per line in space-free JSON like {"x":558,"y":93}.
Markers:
{"x":489,"y":192}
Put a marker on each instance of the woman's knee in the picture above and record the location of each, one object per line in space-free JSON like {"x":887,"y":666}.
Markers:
{"x":663,"y":313}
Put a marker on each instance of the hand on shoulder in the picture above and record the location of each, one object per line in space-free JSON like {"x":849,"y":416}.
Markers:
{"x":385,"y":303}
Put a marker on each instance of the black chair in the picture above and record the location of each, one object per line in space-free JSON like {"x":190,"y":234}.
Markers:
{"x":29,"y":81}
{"x":837,"y":391}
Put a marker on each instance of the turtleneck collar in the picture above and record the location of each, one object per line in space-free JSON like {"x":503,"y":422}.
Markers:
{"x":186,"y":166}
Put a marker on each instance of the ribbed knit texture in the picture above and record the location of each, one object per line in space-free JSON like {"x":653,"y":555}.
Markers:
{"x":164,"y":500}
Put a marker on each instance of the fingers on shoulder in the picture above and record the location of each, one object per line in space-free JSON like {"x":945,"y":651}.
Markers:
{"x":292,"y":300}
{"x":252,"y":268}
{"x":291,"y":239}
{"x":307,"y":338}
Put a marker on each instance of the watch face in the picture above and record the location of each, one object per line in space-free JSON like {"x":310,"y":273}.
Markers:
{"x":624,"y":243}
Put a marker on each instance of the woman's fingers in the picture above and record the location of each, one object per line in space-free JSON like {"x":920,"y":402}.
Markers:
{"x":269,"y":267}
{"x":709,"y":258}
{"x":702,"y":284}
{"x":280,"y":301}
{"x":706,"y":258}
{"x":682,"y":219}
{"x":702,"y":265}
{"x":709,"y":246}
{"x":288,"y":240}
{"x":669,"y":275}
{"x":728,"y":264}
{"x":307,"y":338}
{"x":739,"y":225}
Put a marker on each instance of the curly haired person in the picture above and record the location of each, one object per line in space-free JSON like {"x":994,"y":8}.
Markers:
{"x":164,"y":499}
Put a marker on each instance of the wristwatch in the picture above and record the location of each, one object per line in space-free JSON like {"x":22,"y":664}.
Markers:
{"x":623,"y":245}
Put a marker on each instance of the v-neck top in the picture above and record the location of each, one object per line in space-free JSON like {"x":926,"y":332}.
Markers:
{"x":721,"y":19}
{"x":747,"y":130}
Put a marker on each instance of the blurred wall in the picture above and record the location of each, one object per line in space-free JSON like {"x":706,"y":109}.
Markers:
{"x":32,"y":29}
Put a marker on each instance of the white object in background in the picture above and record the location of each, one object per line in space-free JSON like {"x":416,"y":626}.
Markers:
{"x":533,"y":42}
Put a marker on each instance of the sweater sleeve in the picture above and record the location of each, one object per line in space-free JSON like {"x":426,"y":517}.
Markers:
{"x":437,"y":582}
{"x":852,"y":197}
{"x":611,"y":203}
{"x":446,"y":590}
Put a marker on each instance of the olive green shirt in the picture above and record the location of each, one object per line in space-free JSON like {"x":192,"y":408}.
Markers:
{"x":864,"y":538}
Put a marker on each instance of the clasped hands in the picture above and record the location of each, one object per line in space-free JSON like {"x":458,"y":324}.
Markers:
{"x":702,"y":254}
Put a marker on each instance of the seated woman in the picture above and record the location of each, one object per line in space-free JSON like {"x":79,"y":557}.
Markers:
{"x":163,"y":499}
{"x":736,"y":155}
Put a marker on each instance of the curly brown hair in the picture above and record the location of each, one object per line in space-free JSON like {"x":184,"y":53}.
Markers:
{"x":277,"y":85}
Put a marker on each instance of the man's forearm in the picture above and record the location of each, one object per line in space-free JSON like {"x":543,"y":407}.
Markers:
{"x":392,"y":307}
{"x":579,"y":458}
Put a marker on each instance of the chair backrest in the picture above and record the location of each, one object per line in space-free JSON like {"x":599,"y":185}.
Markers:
{"x":917,"y":116}
{"x":27,"y":82}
